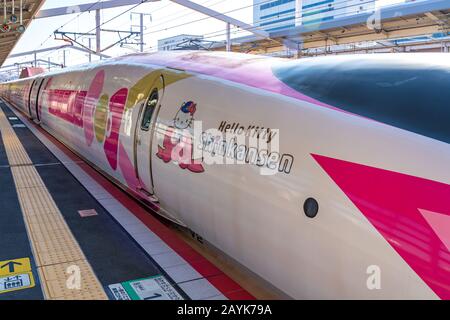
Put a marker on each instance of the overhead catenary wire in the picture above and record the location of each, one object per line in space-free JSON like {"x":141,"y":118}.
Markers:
{"x":217,"y":33}
{"x":237,"y":30}
{"x":122,"y":13}
{"x":190,"y":12}
{"x":241,"y":8}
{"x":200,"y":19}
{"x":65,"y":24}
{"x":204,"y":18}
{"x":115,"y":17}
{"x":62,"y":26}
{"x":174,"y":15}
{"x":223,"y":32}
{"x":132,"y":8}
{"x":144,"y":1}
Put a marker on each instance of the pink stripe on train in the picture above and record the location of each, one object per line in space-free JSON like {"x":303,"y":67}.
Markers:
{"x":396,"y":204}
{"x":255,"y":71}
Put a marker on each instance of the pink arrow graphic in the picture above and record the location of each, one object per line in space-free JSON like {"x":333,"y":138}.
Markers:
{"x":440,"y":223}
{"x":393,"y":203}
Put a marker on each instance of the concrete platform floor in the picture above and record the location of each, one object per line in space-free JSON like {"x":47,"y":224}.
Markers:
{"x":122,"y":242}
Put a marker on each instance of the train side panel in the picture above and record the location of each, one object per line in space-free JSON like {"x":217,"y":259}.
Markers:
{"x":258,"y":219}
{"x":86,"y":110}
{"x":255,"y":216}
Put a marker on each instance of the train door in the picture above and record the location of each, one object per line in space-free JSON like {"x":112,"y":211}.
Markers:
{"x":35,"y":95}
{"x":29,"y":98}
{"x":145,"y":131}
{"x":38,"y":97}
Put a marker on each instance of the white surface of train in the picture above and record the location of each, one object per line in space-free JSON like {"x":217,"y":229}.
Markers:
{"x":344,"y":194}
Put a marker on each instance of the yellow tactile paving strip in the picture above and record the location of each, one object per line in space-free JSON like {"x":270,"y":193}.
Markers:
{"x":54,"y":246}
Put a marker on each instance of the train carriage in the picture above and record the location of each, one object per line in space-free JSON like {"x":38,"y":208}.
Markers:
{"x":311,"y":173}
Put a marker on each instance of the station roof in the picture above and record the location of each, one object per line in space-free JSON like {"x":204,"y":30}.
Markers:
{"x":397,"y":21}
{"x":8,"y":40}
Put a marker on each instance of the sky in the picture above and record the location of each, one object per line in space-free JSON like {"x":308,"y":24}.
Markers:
{"x":164,"y":21}
{"x":167,"y":19}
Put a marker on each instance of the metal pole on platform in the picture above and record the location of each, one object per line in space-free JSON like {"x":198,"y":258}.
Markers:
{"x":35,"y":59}
{"x":97,"y":30}
{"x":90,"y":47}
{"x":64,"y":58}
{"x":228,"y":37}
{"x":141,"y":26}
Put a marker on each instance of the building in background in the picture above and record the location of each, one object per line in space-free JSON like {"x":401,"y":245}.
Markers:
{"x":313,"y":13}
{"x":274,"y":15}
{"x":173,"y":43}
{"x":282,"y":14}
{"x":317,"y":11}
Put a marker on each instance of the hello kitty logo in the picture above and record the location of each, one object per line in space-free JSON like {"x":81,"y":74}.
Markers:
{"x":177,"y":143}
{"x":185,"y":116}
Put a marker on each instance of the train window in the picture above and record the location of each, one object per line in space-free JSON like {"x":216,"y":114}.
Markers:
{"x":149,"y":109}
{"x":410,"y":94}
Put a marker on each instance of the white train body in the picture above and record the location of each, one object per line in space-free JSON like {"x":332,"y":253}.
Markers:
{"x":366,"y":174}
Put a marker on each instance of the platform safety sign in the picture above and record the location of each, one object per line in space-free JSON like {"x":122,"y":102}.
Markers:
{"x":153,"y":288}
{"x":15,"y":275}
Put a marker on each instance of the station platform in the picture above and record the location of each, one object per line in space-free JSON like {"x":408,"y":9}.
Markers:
{"x":68,"y":233}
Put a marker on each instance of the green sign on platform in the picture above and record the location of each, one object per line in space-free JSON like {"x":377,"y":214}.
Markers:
{"x":153,"y":288}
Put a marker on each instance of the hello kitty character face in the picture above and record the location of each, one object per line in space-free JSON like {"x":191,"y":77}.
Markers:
{"x":185,"y":116}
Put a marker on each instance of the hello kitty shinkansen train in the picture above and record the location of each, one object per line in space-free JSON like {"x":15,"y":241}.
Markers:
{"x":349,"y":179}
